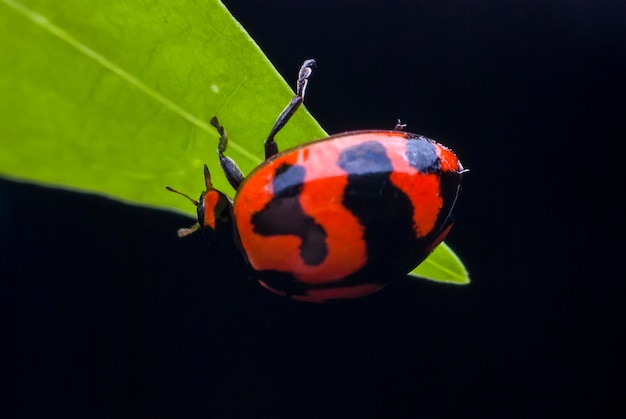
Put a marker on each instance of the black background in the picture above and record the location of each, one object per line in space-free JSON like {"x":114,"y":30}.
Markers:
{"x":111,"y":315}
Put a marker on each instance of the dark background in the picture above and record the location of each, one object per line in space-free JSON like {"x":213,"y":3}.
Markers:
{"x":110,"y":315}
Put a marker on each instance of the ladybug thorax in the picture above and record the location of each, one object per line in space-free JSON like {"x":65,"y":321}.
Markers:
{"x":215,"y":211}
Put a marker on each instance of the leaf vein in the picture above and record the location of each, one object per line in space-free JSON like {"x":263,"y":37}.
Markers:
{"x":44,"y":23}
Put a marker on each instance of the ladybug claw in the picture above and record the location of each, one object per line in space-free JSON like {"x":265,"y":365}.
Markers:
{"x":399,"y":126}
{"x":184,"y":232}
{"x":193,"y":201}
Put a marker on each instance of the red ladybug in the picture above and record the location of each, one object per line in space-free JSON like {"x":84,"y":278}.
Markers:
{"x":335,"y":218}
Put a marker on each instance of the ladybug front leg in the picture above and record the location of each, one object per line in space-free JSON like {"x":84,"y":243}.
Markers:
{"x":229,"y":167}
{"x":271,"y":147}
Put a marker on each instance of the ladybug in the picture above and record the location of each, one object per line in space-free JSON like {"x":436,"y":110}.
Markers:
{"x":336,"y":218}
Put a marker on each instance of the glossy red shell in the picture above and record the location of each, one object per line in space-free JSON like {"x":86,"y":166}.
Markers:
{"x":328,"y":241}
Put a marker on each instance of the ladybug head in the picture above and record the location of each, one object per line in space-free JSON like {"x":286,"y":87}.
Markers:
{"x":214,"y":209}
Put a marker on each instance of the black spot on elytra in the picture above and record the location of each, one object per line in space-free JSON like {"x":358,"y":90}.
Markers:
{"x":422,"y":155}
{"x":365,"y":158}
{"x":284,"y":215}
{"x":288,"y":180}
{"x":384,"y":210}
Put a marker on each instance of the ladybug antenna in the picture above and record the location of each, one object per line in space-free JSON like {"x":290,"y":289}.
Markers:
{"x":182,"y":232}
{"x":207,"y":182}
{"x":193,"y":201}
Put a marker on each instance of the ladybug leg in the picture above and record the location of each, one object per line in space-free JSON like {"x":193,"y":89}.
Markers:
{"x":231,"y":170}
{"x":399,"y":126}
{"x":271,"y":147}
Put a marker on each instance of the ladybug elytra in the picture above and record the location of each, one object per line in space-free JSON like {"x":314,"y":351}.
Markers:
{"x":336,"y":218}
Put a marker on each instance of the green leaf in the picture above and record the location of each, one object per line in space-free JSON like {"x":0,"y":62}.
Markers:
{"x":442,"y":266}
{"x":114,"y":98}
